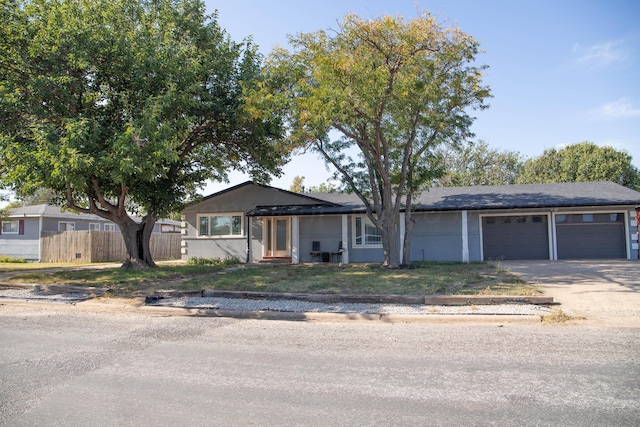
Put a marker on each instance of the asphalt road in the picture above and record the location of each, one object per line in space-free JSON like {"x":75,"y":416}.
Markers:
{"x":129,"y":369}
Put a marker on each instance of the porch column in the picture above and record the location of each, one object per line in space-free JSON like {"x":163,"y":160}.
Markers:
{"x":465,"y":237}
{"x":295,"y":240}
{"x":345,"y":239}
{"x":249,"y":240}
{"x":401,"y":234}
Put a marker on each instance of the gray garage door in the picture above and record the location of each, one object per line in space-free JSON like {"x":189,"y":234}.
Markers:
{"x":590,"y":236}
{"x":515,"y":237}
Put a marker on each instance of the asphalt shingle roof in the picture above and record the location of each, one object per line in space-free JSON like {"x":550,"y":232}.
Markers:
{"x":479,"y":197}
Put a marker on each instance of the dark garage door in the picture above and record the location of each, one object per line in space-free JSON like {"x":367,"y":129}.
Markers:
{"x":515,"y":237}
{"x":590,"y":236}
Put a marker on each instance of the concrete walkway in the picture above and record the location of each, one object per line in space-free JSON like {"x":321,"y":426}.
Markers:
{"x":605,"y":292}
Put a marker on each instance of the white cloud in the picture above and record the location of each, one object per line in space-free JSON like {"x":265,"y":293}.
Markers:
{"x":620,"y":109}
{"x":601,"y":54}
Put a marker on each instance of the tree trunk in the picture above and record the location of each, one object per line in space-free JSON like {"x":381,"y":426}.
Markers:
{"x":137,"y":238}
{"x":390,"y":241}
{"x":406,"y":247}
{"x":392,"y":254}
{"x":408,"y":229}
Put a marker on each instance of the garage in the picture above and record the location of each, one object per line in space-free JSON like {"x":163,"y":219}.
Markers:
{"x":590,"y":236}
{"x":515,"y":237}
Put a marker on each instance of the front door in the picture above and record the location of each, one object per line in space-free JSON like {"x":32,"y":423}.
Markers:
{"x":277,"y":237}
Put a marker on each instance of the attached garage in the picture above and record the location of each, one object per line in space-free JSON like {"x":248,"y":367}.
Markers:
{"x":590,"y":236}
{"x":515,"y":237}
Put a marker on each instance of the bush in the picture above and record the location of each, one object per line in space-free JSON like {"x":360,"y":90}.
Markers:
{"x":5,"y":258}
{"x":217,"y":262}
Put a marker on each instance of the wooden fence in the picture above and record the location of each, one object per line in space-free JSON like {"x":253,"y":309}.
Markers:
{"x":101,"y":246}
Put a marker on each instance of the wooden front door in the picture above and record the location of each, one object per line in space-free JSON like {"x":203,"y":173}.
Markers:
{"x":277,"y":237}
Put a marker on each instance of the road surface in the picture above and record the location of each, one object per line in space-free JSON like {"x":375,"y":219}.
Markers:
{"x":130,"y":369}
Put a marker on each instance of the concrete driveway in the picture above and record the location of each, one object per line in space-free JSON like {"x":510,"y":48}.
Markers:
{"x":605,"y":292}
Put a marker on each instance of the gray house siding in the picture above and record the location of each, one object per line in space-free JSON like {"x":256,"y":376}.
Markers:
{"x":25,"y":245}
{"x":473,"y":224}
{"x":326,"y":229}
{"x":437,"y":236}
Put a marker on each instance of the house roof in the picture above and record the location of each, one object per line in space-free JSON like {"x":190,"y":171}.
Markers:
{"x":48,"y":211}
{"x":573,"y":194}
{"x":52,"y":211}
{"x":306,"y":196}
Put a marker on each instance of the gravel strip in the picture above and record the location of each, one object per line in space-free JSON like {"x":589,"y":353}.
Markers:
{"x":297,"y":306}
{"x":292,"y":306}
{"x":35,"y":294}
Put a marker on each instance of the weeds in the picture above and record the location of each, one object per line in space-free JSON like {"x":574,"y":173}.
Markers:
{"x":8,"y":259}
{"x":558,"y":317}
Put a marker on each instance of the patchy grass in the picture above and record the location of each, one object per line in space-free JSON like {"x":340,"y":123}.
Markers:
{"x":34,"y":266}
{"x":559,"y":317}
{"x":422,"y":279}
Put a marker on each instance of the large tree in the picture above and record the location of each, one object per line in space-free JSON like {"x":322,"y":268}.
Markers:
{"x":126,"y":107}
{"x":394,"y":90}
{"x":478,"y":164}
{"x":584,"y":161}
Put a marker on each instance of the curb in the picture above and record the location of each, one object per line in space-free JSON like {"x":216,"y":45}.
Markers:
{"x":137,"y":306}
{"x":362,"y":298}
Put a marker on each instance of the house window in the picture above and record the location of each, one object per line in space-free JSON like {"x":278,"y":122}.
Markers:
{"x":587,"y":218}
{"x":109,"y":227}
{"x":225,"y":225}
{"x":66,"y":226}
{"x":365,"y":233}
{"x":10,"y":227}
{"x":169,"y":228}
{"x":94,"y":226}
{"x":561,"y":219}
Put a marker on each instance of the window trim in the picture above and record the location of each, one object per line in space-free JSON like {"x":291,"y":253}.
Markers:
{"x":363,"y":224}
{"x":220,"y":214}
{"x":92,"y":226}
{"x":11,"y":232}
{"x":73,"y":224}
{"x":109,"y":226}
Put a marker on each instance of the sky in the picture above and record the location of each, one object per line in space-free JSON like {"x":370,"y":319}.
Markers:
{"x":560,"y":71}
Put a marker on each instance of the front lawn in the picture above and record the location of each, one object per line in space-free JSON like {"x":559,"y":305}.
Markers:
{"x":422,"y":279}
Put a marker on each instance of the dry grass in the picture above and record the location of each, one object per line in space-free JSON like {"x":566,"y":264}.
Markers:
{"x":559,"y":317}
{"x":422,"y":279}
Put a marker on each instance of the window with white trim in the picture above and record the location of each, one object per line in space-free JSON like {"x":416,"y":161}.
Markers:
{"x":66,"y":226}
{"x":220,"y":225}
{"x":94,"y":226}
{"x":109,"y":227}
{"x":365,"y":234}
{"x":10,"y":227}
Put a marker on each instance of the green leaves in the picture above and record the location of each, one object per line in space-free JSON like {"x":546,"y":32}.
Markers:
{"x":581,"y":162}
{"x":134,"y":99}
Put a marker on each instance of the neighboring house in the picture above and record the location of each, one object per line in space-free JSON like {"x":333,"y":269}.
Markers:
{"x":21,"y":230}
{"x":585,"y":220}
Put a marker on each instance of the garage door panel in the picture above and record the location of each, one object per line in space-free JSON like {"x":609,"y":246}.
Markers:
{"x":515,"y":237}
{"x":589,"y":236}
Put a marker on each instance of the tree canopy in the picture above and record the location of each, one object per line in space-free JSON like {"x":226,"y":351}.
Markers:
{"x":478,"y":164}
{"x":581,"y":162}
{"x":127,"y":106}
{"x":393,"y":90}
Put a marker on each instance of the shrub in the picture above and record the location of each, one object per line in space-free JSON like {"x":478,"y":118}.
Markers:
{"x":5,"y":258}
{"x":227,"y":262}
